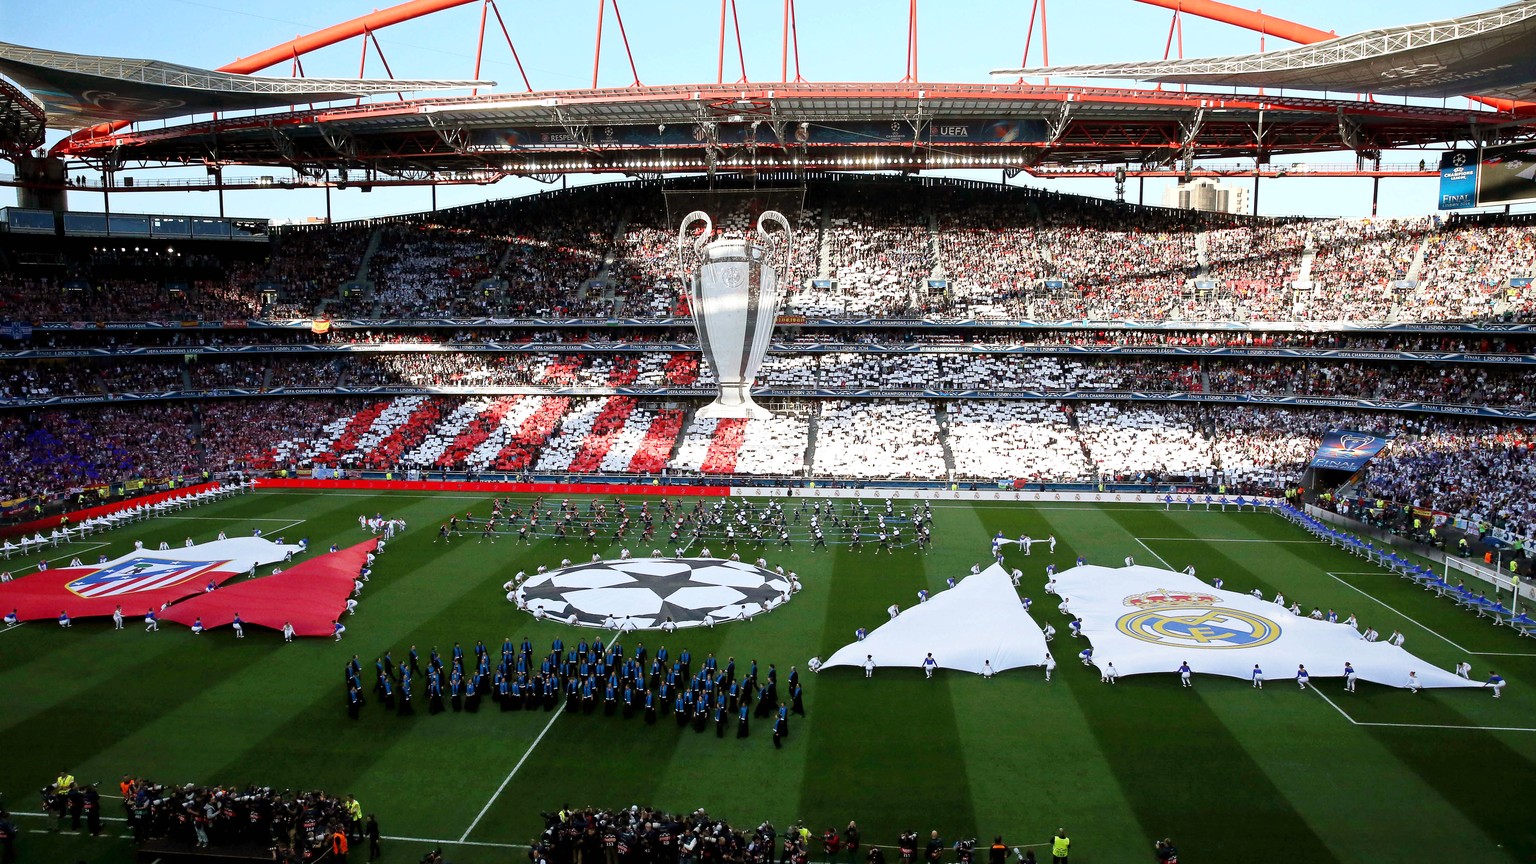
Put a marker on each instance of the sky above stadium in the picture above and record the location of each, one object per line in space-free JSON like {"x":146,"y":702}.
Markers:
{"x":675,"y":41}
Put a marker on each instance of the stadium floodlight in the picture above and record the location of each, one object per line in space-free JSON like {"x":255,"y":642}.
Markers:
{"x":735,"y":284}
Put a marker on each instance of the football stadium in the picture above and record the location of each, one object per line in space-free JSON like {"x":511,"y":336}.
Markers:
{"x":1004,"y":462}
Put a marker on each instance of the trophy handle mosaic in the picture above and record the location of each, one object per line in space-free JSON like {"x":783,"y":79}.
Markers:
{"x":734,"y":288}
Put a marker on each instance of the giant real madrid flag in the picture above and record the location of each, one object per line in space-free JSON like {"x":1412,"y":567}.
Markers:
{"x":1147,"y":620}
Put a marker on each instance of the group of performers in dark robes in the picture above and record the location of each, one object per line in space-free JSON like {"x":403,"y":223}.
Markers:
{"x":585,"y":676}
{"x":729,"y":523}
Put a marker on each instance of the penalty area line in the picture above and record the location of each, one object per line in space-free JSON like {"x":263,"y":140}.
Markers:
{"x":1342,"y":712}
{"x":1337,"y":573}
{"x":438,"y":842}
{"x":1453,"y":726}
{"x":232,"y":518}
{"x":1226,"y":540}
{"x":1415,"y":622}
{"x":74,"y":553}
{"x":1166,"y":565}
{"x":54,"y":815}
{"x":510,"y":774}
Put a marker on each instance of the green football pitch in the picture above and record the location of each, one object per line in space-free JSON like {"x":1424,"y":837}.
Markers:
{"x":1230,"y":773}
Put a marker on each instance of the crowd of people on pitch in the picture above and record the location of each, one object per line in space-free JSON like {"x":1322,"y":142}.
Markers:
{"x":700,"y":692}
{"x":642,"y":835}
{"x":727,"y":523}
{"x":291,"y":825}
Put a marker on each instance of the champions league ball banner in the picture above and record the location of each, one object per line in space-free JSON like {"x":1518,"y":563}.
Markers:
{"x":1343,"y":450}
{"x":1146,"y":620}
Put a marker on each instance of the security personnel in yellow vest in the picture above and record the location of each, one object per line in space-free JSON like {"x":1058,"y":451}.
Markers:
{"x":1463,"y":546}
{"x":1434,"y":536}
{"x":1060,"y":844}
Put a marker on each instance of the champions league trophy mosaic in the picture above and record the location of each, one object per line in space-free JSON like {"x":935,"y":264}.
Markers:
{"x":735,"y":284}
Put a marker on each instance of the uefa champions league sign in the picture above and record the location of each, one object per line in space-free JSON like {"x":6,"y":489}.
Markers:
{"x":734,"y":289}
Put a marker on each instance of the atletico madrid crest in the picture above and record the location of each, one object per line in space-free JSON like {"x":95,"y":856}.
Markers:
{"x":140,"y":574}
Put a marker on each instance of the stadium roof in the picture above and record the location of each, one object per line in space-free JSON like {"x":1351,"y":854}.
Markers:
{"x":907,"y":126}
{"x":688,"y":128}
{"x":22,"y":122}
{"x":1489,"y":53}
{"x":79,"y":90}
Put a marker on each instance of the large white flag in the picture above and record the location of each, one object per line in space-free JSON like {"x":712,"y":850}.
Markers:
{"x":978,"y":621}
{"x":1145,"y":620}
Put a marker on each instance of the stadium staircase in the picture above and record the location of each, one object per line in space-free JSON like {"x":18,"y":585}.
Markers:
{"x":949,"y":455}
{"x":1302,"y":286}
{"x":601,"y":279}
{"x":495,"y":284}
{"x":824,"y":254}
{"x":364,"y":277}
{"x":195,"y":432}
{"x":374,"y":240}
{"x":813,"y":420}
{"x":689,"y":410}
{"x":1202,"y":256}
{"x":1417,"y":267}
{"x":1414,"y":271}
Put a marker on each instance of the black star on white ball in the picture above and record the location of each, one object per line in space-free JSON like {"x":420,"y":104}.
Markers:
{"x":648,"y":591}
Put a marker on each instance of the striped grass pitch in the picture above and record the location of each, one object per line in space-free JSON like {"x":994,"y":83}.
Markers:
{"x":1229,"y":773}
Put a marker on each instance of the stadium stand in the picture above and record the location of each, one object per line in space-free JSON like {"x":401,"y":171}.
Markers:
{"x":954,"y":332}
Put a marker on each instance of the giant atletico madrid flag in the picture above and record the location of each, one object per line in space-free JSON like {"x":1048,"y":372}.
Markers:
{"x":143,"y":579}
{"x":309,"y":596}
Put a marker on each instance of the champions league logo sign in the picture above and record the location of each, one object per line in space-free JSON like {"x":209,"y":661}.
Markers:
{"x":645,"y":592}
{"x":1355,"y":445}
{"x":734,"y":289}
{"x":1191,"y":621}
{"x":1347,"y":451}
